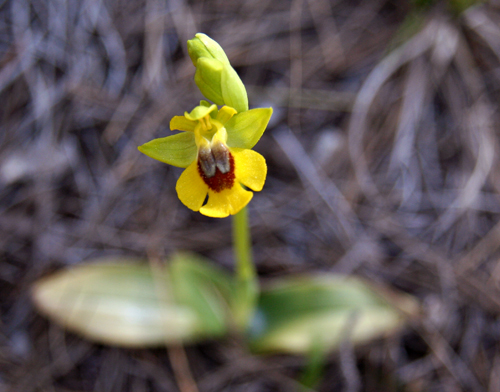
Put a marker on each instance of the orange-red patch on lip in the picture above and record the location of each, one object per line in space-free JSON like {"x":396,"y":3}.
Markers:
{"x":219,"y":181}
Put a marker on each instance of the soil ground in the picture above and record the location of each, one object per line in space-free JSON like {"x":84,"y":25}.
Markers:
{"x":383,"y":163}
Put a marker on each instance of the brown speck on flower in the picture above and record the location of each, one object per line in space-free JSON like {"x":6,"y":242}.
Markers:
{"x":219,"y":181}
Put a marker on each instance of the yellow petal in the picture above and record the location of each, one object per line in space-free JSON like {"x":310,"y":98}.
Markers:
{"x":250,"y":168}
{"x":182,"y":124}
{"x":227,"y":202}
{"x":191,"y":189}
{"x":199,"y":112}
{"x":225,"y":114}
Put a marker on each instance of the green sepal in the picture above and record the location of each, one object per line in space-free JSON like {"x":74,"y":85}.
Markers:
{"x":176,"y":150}
{"x":245,"y":129}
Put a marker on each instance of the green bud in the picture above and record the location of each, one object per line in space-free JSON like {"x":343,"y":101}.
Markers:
{"x":204,"y":46}
{"x":208,"y":79}
{"x":234,"y":92}
{"x":215,"y":77}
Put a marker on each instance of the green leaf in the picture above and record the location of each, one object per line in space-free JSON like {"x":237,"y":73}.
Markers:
{"x":129,"y":303}
{"x":295,"y":313}
{"x":203,"y":288}
{"x":117,"y":301}
{"x":315,"y":365}
{"x":233,"y":90}
{"x":177,"y":150}
{"x":245,"y":129}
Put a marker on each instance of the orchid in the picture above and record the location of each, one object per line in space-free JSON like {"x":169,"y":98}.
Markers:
{"x":215,"y":149}
{"x":188,"y":299}
{"x":215,"y":145}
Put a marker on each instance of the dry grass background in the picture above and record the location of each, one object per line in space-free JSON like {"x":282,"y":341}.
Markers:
{"x":383,"y":164}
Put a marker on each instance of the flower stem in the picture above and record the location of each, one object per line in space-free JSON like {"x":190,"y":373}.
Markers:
{"x":247,"y":288}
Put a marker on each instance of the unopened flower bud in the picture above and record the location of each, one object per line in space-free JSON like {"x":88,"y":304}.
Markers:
{"x":215,"y":77}
{"x":204,"y":46}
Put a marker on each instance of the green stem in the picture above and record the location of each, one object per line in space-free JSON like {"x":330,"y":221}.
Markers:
{"x":247,"y":288}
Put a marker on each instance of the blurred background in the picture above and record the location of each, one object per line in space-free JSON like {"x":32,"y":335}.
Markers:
{"x":383,"y":163}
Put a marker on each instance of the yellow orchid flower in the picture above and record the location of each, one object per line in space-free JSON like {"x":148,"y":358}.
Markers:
{"x":215,"y":149}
